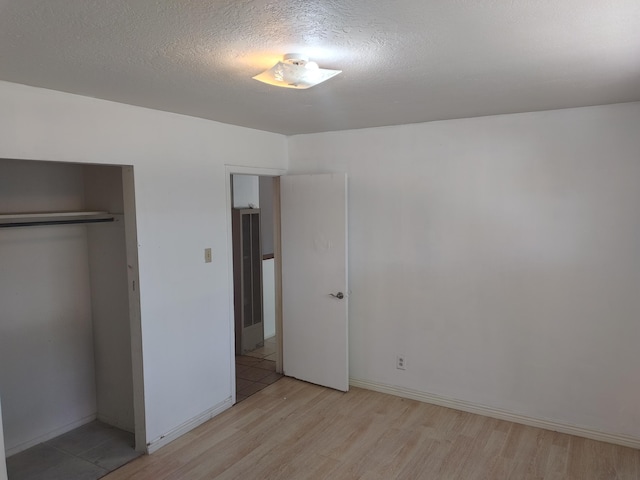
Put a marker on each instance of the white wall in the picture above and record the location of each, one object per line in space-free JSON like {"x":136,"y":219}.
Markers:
{"x":110,"y":315}
{"x":500,"y":256}
{"x":266,"y":214}
{"x":47,"y":377}
{"x":109,"y":298}
{"x":181,"y":206}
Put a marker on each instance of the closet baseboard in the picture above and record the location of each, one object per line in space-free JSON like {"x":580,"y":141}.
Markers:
{"x":115,"y":423}
{"x":49,"y":435}
{"x":187,"y":426}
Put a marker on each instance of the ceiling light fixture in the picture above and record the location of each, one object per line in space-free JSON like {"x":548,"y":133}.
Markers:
{"x":296,"y":71}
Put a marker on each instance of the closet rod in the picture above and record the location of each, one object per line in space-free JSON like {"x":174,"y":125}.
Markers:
{"x":53,"y":218}
{"x":35,"y":223}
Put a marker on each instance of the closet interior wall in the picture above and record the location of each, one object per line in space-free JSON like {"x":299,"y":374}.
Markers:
{"x":65,"y":342}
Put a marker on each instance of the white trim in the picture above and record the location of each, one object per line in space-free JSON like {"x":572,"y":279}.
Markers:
{"x":237,"y":170}
{"x":48,"y":436}
{"x":277,"y":270}
{"x":135,"y":315}
{"x":618,"y":439}
{"x":187,"y":426}
{"x":260,"y":171}
{"x":3,"y":461}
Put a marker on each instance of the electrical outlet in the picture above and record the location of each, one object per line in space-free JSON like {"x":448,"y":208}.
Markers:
{"x":401,"y":362}
{"x":207,"y":255}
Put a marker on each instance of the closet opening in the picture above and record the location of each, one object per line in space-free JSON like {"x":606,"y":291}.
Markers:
{"x":71,"y":385}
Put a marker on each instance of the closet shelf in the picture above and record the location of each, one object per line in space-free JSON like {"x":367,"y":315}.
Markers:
{"x":54,"y":218}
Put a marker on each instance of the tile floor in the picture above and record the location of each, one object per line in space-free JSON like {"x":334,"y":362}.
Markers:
{"x":256,"y":370}
{"x":86,"y":453}
{"x":268,"y":352}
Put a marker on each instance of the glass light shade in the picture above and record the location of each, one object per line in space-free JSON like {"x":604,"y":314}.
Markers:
{"x":291,"y":75}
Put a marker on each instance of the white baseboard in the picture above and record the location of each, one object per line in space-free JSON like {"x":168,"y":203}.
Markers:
{"x":115,"y":423}
{"x":49,"y":435}
{"x":187,"y":426}
{"x":624,"y":440}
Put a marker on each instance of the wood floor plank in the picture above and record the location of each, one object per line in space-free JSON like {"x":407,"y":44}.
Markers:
{"x":294,"y":430}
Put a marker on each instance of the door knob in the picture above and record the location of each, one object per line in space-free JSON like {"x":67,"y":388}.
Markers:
{"x":338,"y":295}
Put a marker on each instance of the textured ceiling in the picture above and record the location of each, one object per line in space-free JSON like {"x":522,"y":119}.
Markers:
{"x":403,"y":61}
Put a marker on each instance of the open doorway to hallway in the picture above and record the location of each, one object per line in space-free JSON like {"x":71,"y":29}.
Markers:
{"x":256,"y":346}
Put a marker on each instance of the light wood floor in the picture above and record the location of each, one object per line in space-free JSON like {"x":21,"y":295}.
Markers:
{"x":294,"y":430}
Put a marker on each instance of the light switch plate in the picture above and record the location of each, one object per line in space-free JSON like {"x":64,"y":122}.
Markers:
{"x":207,"y":255}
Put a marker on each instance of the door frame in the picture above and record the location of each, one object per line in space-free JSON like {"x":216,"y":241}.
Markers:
{"x":135,"y":316}
{"x":275,"y":173}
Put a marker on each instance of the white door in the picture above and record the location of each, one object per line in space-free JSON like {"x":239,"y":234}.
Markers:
{"x":314,"y":278}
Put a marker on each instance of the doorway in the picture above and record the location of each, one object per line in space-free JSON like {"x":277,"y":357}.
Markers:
{"x":256,"y":345}
{"x":311,"y":275}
